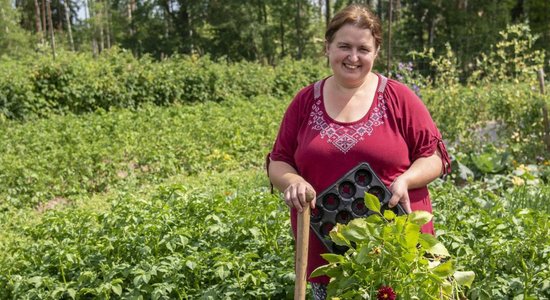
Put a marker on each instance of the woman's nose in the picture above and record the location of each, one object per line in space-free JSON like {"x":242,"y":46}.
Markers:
{"x":353,"y":56}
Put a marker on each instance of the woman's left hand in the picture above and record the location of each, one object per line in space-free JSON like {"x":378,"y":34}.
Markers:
{"x":400,"y":191}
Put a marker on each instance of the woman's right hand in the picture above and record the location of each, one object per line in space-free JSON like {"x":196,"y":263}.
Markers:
{"x":300,"y":194}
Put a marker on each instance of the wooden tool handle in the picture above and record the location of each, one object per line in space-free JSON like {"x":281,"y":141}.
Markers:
{"x":302,"y":243}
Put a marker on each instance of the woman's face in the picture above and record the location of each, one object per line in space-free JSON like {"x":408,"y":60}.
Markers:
{"x":351,"y":55}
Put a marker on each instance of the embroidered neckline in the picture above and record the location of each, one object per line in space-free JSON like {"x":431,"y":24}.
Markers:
{"x":346,"y":136}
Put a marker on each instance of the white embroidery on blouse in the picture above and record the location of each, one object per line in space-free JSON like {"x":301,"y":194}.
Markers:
{"x":344,"y":137}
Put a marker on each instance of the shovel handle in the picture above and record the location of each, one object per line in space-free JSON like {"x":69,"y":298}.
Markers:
{"x":302,"y":243}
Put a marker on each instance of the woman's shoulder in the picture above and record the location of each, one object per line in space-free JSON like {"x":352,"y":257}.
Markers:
{"x":313,"y":89}
{"x":306,"y":95}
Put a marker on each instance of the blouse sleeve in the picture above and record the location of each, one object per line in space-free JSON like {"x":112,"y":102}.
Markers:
{"x":287,"y":138}
{"x":419,"y":130}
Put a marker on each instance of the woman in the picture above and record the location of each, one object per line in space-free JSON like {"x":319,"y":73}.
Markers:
{"x":350,"y":117}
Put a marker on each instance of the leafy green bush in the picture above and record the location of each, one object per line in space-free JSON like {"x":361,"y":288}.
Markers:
{"x":464,"y":115}
{"x":78,"y":83}
{"x":513,"y":58}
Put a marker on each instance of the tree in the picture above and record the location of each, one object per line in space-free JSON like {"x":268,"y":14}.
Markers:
{"x":69,"y":28}
{"x":50,"y":27}
{"x":537,"y":13}
{"x":15,"y":41}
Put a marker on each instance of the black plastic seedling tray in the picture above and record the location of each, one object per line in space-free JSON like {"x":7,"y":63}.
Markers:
{"x":344,"y":201}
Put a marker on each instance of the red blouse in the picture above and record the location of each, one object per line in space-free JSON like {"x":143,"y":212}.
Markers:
{"x":396,"y":131}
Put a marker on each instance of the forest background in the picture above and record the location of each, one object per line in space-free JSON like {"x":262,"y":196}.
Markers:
{"x":262,"y":31}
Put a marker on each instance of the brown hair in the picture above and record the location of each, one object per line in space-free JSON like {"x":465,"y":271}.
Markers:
{"x":356,"y":15}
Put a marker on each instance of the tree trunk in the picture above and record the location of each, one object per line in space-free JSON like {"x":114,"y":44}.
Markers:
{"x":390,"y":17}
{"x":187,"y":30}
{"x":397,"y":10}
{"x":108,"y":23}
{"x":167,"y":14}
{"x":131,"y":8}
{"x":431,"y":32}
{"x":101,"y":28}
{"x":545,"y":120}
{"x":38,"y":22}
{"x":282,"y":31}
{"x":93,"y":27}
{"x":131,"y":28}
{"x":68,"y":17}
{"x":299,"y":28}
{"x":44,"y":18}
{"x":50,"y":25}
{"x":327,"y":12}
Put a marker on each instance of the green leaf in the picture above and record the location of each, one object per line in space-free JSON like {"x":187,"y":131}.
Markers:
{"x":190,"y":264}
{"x":363,"y":254}
{"x":389,"y":215}
{"x":347,"y":283}
{"x":447,"y":288}
{"x":333,"y":258}
{"x":36,"y":280}
{"x":412,"y":233}
{"x":337,"y":237}
{"x":222,"y":272}
{"x":72,"y":293}
{"x":356,"y":230}
{"x":432,"y":245}
{"x":420,"y":217}
{"x":491,"y":160}
{"x":443,"y":270}
{"x":117,"y":289}
{"x":320,"y":271}
{"x":374,"y":219}
{"x":372,"y":202}
{"x":464,"y":278}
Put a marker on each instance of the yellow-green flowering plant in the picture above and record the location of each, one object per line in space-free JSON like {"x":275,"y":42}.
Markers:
{"x":389,"y":252}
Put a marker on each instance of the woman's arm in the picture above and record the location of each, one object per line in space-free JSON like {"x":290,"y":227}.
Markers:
{"x":422,"y":171}
{"x":286,"y":179}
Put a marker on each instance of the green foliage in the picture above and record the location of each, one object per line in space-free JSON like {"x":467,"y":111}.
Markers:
{"x":181,"y":242}
{"x":175,"y":149}
{"x":389,"y":250}
{"x":470,"y":117}
{"x":444,"y":66}
{"x":71,"y":156}
{"x":491,"y":160}
{"x":14,"y":40}
{"x":228,"y":238}
{"x":501,"y":233}
{"x":78,"y":83}
{"x":513,"y":58}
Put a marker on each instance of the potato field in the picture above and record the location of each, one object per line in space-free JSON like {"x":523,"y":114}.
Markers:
{"x":167,"y":197}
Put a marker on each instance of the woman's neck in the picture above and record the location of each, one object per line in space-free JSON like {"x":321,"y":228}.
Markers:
{"x":348,"y":90}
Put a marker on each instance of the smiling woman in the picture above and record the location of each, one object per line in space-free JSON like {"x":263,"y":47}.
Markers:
{"x":351,"y":117}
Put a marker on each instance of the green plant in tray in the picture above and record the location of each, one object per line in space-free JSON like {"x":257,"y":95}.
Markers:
{"x":388,"y":251}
